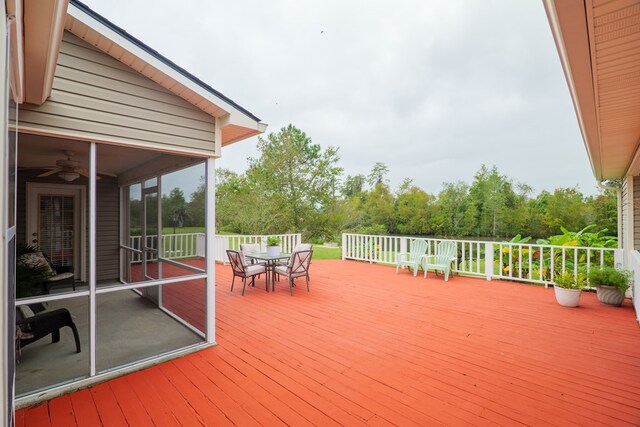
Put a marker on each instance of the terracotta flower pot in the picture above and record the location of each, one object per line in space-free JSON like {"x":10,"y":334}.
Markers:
{"x":609,"y":295}
{"x":567,"y":297}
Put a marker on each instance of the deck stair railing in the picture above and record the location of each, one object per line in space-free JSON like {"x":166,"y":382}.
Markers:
{"x":525,"y":262}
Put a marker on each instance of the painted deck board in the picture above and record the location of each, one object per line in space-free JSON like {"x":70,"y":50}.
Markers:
{"x":369,"y":347}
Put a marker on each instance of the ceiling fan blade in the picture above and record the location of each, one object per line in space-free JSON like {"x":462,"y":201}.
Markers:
{"x":51,"y":172}
{"x":84,"y":173}
{"x":26,"y":168}
{"x":112,"y":175}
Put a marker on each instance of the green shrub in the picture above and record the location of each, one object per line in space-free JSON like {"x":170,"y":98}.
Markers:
{"x":568,"y":280}
{"x":609,"y":276}
{"x":273,"y":241}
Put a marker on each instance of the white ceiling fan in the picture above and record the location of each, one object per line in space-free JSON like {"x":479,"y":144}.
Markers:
{"x":67,"y":169}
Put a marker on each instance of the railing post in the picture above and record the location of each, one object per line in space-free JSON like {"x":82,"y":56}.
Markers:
{"x":618,"y":258}
{"x":403,"y":245}
{"x":225,"y":247}
{"x":488,"y":260}
{"x":344,"y":246}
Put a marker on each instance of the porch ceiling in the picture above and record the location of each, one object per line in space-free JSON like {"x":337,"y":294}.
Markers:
{"x":599,"y":46}
{"x":37,"y":151}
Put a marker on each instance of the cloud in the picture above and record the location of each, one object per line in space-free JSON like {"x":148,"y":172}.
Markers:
{"x":433,"y":89}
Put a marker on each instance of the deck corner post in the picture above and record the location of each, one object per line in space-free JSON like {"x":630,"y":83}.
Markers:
{"x":488,"y":260}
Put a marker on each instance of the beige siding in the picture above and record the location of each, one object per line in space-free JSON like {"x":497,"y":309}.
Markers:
{"x":636,"y":212}
{"x":623,"y":218}
{"x":107,"y":230}
{"x":96,"y":97}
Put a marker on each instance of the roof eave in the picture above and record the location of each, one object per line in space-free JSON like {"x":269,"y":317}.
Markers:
{"x":568,"y":26}
{"x":232,"y":113}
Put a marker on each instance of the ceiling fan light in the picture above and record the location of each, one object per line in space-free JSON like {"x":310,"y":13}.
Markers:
{"x":69,"y":176}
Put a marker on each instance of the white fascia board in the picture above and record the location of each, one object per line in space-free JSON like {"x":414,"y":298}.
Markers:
{"x":554,"y":23}
{"x":237,"y":117}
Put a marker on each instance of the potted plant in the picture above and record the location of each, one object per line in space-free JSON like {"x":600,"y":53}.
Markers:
{"x":611,"y":284}
{"x":568,"y":288}
{"x":273,"y":246}
{"x":30,"y":272}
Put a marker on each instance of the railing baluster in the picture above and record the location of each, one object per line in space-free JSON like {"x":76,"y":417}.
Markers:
{"x":530,"y":262}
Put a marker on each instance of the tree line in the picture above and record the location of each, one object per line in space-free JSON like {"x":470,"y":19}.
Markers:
{"x":295,"y":186}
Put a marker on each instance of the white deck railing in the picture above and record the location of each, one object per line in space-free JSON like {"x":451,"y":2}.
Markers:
{"x":174,"y":246}
{"x":526,"y":262}
{"x":190,"y":245}
{"x":287,"y":243}
{"x":635,"y":289}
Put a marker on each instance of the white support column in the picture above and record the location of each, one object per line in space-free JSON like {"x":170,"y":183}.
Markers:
{"x":210,"y":237}
{"x":488,"y":260}
{"x":92,"y":258}
{"x":629,"y":244}
{"x":7,"y":362}
{"x":344,"y":246}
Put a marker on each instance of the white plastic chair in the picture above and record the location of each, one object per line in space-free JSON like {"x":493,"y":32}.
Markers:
{"x":413,"y":258}
{"x":446,"y":253}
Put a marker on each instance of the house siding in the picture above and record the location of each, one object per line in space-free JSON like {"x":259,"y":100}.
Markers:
{"x":107,"y":230}
{"x":636,"y":212}
{"x":96,"y":97}
{"x":624,"y":215}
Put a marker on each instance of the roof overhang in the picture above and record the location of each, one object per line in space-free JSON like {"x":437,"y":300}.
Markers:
{"x":599,"y":47}
{"x":43,"y":28}
{"x":235,"y":122}
{"x":36,"y":38}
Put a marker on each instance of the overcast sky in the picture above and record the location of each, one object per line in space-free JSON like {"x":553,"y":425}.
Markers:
{"x":433,"y":89}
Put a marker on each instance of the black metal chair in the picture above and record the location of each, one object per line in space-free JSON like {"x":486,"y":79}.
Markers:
{"x":240,"y":269}
{"x":43,"y":323}
{"x":297,"y":267}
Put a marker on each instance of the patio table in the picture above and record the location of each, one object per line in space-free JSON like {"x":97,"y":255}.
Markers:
{"x":270,"y":263}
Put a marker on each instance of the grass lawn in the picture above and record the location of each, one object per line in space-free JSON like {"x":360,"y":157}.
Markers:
{"x":320,"y":252}
{"x":182,"y":230}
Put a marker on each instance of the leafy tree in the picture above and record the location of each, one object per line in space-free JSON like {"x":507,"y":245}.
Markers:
{"x":353,"y":185}
{"x":565,"y":208}
{"x":412,"y":210}
{"x":377,"y":174}
{"x":292,"y":186}
{"x":490,"y":193}
{"x":450,"y":209}
{"x":196,"y":207}
{"x":174,"y":209}
{"x":295,"y":178}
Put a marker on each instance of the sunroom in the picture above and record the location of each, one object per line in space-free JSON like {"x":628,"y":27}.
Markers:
{"x":99,"y":156}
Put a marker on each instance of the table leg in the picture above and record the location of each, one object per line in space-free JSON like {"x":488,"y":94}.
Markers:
{"x":266,"y":272}
{"x":273,"y":276}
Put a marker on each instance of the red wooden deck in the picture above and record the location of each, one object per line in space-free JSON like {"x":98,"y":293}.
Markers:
{"x":367,"y":347}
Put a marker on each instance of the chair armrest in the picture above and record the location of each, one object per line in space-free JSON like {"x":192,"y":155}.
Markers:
{"x":402,"y":255}
{"x":426,"y":258}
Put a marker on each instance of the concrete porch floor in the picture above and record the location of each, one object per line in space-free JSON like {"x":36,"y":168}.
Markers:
{"x":130,"y":328}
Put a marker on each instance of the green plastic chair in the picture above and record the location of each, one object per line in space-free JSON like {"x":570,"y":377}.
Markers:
{"x":413,"y":258}
{"x":446,"y":253}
